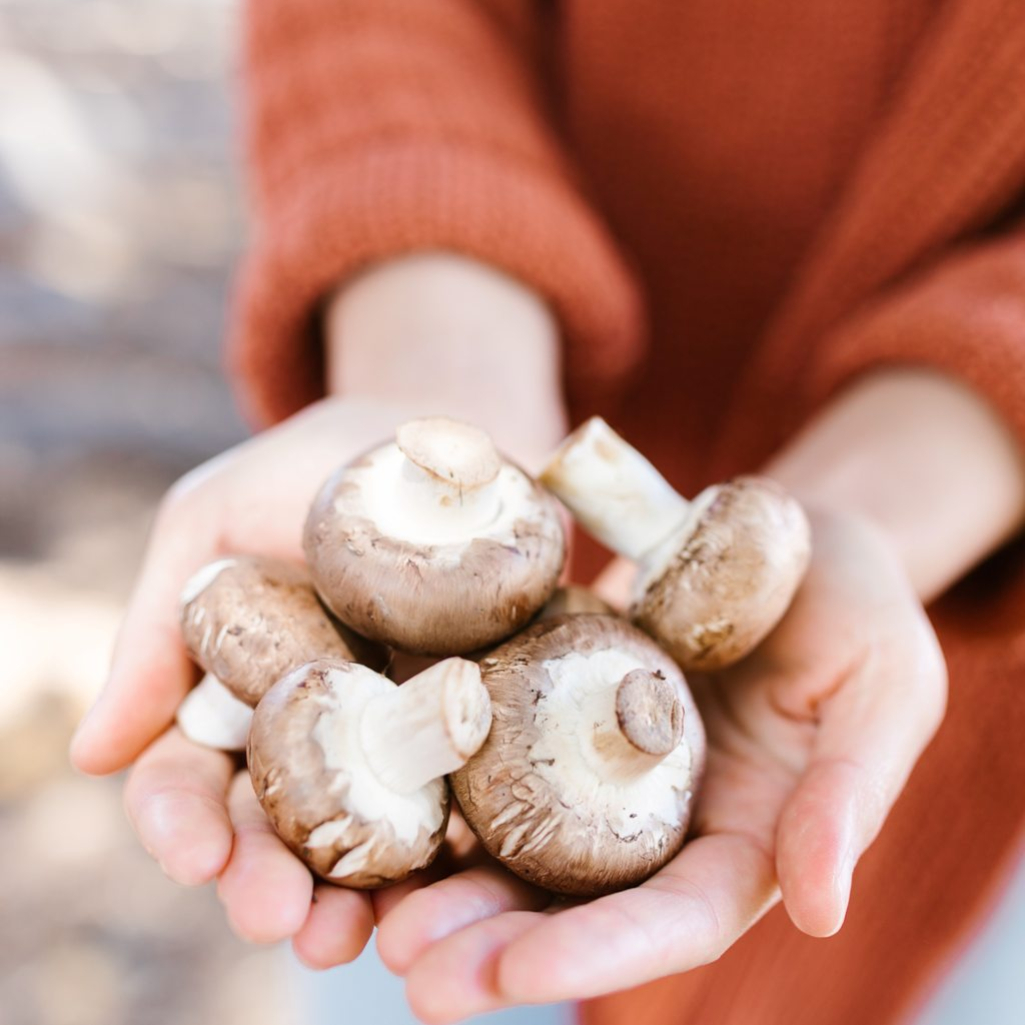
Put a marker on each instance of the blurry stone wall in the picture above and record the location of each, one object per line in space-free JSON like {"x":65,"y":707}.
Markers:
{"x":120,"y":219}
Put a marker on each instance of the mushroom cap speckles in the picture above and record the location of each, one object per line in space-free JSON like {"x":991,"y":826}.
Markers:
{"x":537,"y":795}
{"x":716,"y":588}
{"x":424,"y":598}
{"x":323,"y":800}
{"x":249,"y":619}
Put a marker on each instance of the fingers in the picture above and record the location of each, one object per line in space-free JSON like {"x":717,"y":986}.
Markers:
{"x":431,"y":913}
{"x":457,"y":978}
{"x":150,"y":671}
{"x":615,"y":583}
{"x":265,"y":889}
{"x":339,"y":926}
{"x":390,"y":897}
{"x":873,"y":730}
{"x":175,"y":799}
{"x":818,"y":845}
{"x":685,"y":916}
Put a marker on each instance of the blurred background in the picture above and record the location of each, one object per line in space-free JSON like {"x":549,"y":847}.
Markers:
{"x":119,"y":222}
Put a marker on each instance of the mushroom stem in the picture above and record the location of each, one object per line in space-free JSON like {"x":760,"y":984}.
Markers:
{"x":428,"y":727}
{"x":212,"y":716}
{"x":615,"y":493}
{"x":448,"y":477}
{"x":648,"y":725}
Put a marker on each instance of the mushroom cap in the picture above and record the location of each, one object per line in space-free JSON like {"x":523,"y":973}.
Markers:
{"x":427,"y":597}
{"x":714,"y":589}
{"x":249,"y":619}
{"x":536,"y":793}
{"x":322,"y":798}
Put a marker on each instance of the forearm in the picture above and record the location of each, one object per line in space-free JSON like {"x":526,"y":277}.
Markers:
{"x":440,"y":333}
{"x":924,"y":458}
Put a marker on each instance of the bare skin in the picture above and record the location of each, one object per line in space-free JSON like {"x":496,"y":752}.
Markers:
{"x":811,"y":738}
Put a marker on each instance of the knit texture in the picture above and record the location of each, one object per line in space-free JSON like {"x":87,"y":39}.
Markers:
{"x":807,"y":192}
{"x":379,"y":127}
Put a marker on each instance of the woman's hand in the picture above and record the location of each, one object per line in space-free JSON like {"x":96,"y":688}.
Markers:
{"x":418,"y":336}
{"x":811,"y":739}
{"x":192,"y":812}
{"x":911,"y":479}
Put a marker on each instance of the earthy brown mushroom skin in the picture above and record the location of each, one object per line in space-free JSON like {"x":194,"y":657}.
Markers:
{"x":515,"y":811}
{"x":299,"y":792}
{"x":445,"y":599}
{"x":260,"y":617}
{"x":732,"y":579}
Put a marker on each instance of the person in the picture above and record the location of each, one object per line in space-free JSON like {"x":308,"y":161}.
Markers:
{"x":774,"y":236}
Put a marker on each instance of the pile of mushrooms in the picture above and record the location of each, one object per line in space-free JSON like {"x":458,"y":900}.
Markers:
{"x":567,"y":734}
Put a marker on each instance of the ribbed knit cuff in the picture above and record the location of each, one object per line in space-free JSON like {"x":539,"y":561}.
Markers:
{"x":398,"y":197}
{"x":965,"y":317}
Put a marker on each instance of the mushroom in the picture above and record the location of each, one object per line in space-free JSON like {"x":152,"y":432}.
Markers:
{"x":716,"y":574}
{"x":247,"y":620}
{"x":350,"y":767}
{"x":572,"y":600}
{"x":433,"y":543}
{"x":212,"y":716}
{"x":587,"y":779}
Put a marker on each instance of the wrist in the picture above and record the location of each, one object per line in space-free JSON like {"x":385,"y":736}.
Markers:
{"x":922,"y":458}
{"x":442,"y":333}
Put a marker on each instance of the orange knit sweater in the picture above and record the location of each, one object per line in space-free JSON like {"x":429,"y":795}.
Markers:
{"x":734,"y":206}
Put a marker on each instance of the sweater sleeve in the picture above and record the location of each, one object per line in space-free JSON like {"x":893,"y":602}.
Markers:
{"x":378,"y":127}
{"x":965,"y":316}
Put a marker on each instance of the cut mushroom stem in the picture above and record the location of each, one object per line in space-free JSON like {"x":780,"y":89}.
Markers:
{"x":448,"y":478}
{"x":349,"y":766}
{"x":648,"y":725}
{"x":586,"y":781}
{"x":715,"y":574}
{"x":615,"y":493}
{"x":428,"y":727}
{"x":212,"y":716}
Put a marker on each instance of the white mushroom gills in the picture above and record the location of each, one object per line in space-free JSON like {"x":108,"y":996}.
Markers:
{"x":428,"y":727}
{"x":448,"y":480}
{"x":212,"y":716}
{"x":592,"y":752}
{"x":615,"y":493}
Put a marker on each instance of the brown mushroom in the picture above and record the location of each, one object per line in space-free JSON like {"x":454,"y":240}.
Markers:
{"x":434,"y":544}
{"x":715,"y":575}
{"x":247,"y":620}
{"x":587,"y":779}
{"x":350,"y":767}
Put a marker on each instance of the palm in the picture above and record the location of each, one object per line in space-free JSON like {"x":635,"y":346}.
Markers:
{"x":191,"y":809}
{"x":810,"y":740}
